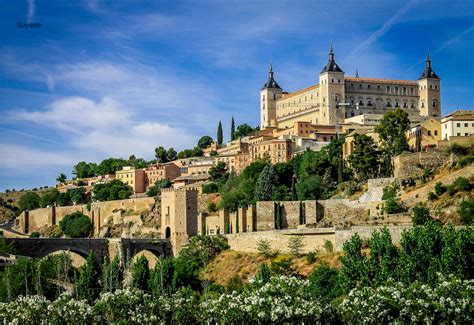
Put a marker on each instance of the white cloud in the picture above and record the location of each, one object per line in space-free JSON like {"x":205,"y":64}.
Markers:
{"x":17,"y":157}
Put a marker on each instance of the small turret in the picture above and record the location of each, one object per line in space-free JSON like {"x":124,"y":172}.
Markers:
{"x":428,"y":72}
{"x":331,"y":66}
{"x":271,"y":83}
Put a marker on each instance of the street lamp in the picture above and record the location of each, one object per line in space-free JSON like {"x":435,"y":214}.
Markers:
{"x":337,"y":113}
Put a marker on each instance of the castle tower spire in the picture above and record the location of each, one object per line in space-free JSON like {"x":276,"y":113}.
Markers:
{"x":331,"y":65}
{"x":271,"y":83}
{"x":428,"y":72}
{"x":357,"y":73}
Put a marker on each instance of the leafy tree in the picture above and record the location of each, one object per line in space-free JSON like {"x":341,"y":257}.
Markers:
{"x":383,"y":256}
{"x":266,"y":184}
{"x":204,"y":142}
{"x":161,"y":277}
{"x":354,"y":264}
{"x":365,"y":157}
{"x":295,"y":245}
{"x":392,"y":129}
{"x":112,"y":275}
{"x":111,"y":165}
{"x":324,"y":283}
{"x":232,"y":129}
{"x":76,"y":225}
{"x":49,"y":197}
{"x":29,"y":201}
{"x":84,"y":169}
{"x":220,"y":137}
{"x":155,"y":190}
{"x":171,"y":155}
{"x":219,"y":172}
{"x":113,"y":190}
{"x":210,"y":188}
{"x":161,"y":155}
{"x":77,"y":195}
{"x":243,"y":130}
{"x":61,"y":178}
{"x":311,"y":188}
{"x":140,"y":273}
{"x":466,"y":212}
{"x":421,"y":215}
{"x":188,"y":153}
{"x":87,"y":286}
{"x":63,"y":199}
{"x":264,"y":248}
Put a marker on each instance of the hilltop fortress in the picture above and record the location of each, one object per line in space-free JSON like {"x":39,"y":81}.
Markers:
{"x":317,"y":104}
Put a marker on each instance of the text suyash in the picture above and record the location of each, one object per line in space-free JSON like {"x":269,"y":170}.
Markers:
{"x":27,"y":25}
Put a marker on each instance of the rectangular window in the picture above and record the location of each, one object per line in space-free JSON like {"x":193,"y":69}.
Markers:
{"x":466,"y":134}
{"x":459,"y":125}
{"x":466,"y":125}
{"x":458,"y":134}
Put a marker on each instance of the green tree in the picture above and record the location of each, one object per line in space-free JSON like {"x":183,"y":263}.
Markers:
{"x":264,"y":248}
{"x":49,"y":197}
{"x":171,"y":155}
{"x":112,"y":275}
{"x":113,"y":190}
{"x":295,"y":245}
{"x":155,"y":190}
{"x":266,"y":184}
{"x":365,"y":157}
{"x":84,"y":170}
{"x":161,"y":155}
{"x":243,"y":130}
{"x":354,"y":264}
{"x":383,"y":256}
{"x":421,"y":215}
{"x":219,"y":172}
{"x":76,"y":225}
{"x":204,"y":142}
{"x":161,"y":277}
{"x":77,"y":195}
{"x":311,"y":188}
{"x":61,"y":178}
{"x":232,"y":129}
{"x":466,"y":212}
{"x":392,"y":129}
{"x":29,"y":201}
{"x":324,"y":283}
{"x":140,"y":273}
{"x":63,"y":199}
{"x":87,"y":286}
{"x":111,"y":165}
{"x":220,"y":137}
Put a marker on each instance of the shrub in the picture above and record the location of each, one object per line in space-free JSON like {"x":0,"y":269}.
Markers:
{"x":263,"y":247}
{"x":451,"y":189}
{"x":462,"y":184}
{"x":282,"y":265}
{"x":324,"y":283}
{"x":210,"y":188}
{"x":212,"y":207}
{"x":439,"y":189}
{"x":421,"y":215}
{"x":35,"y":234}
{"x":458,"y":149}
{"x":464,"y":161}
{"x":392,"y":206}
{"x":328,"y":246}
{"x":466,"y":212}
{"x":432,"y":196}
{"x":311,"y":257}
{"x":76,"y":225}
{"x":295,"y":244}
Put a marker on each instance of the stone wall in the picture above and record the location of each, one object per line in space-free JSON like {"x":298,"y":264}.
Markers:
{"x":290,"y":213}
{"x":313,"y":239}
{"x":412,"y":164}
{"x":100,"y":212}
{"x":365,"y":232}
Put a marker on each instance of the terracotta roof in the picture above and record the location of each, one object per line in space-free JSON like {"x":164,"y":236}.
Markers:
{"x":382,"y":81}
{"x":288,"y":95}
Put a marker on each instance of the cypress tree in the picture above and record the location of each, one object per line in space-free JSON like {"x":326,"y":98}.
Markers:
{"x":232,"y":129}
{"x":220,"y":137}
{"x":237,"y":221}
{"x":87,"y":286}
{"x":140,"y":273}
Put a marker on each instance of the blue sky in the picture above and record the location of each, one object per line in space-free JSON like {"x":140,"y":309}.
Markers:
{"x":113,"y":78}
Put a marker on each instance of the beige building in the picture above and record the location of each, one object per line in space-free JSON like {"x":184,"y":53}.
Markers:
{"x":158,"y":172}
{"x":133,"y":177}
{"x":316,"y":104}
{"x":275,"y":150}
{"x":179,"y":216}
{"x":424,"y":134}
{"x":457,"y":124}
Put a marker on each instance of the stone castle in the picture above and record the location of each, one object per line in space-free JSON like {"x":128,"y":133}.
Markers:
{"x":317,"y":104}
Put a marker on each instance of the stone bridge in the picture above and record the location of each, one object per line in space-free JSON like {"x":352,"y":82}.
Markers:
{"x":102,"y":247}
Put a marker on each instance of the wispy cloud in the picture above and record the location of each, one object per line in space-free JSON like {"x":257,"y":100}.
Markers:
{"x":31,"y":10}
{"x":381,"y":31}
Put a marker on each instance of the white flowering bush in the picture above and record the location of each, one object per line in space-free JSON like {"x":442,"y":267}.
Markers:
{"x":66,"y":310}
{"x":450,"y":300}
{"x":282,"y":299}
{"x":24,"y":310}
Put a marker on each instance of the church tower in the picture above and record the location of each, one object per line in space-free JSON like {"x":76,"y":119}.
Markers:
{"x":430,"y":91}
{"x":331,"y":85}
{"x":270,"y":92}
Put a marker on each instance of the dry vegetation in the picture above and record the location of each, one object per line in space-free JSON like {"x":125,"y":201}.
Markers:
{"x":231,"y":264}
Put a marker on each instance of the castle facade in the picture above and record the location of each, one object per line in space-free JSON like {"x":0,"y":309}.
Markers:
{"x":317,"y":104}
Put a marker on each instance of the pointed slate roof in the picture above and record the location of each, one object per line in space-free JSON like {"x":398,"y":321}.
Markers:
{"x":271,"y":83}
{"x":428,"y":72}
{"x":331,"y":65}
